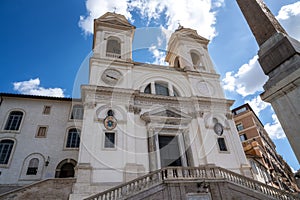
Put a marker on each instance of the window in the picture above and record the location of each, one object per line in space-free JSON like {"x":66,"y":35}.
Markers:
{"x":243,"y":109}
{"x":113,"y":48}
{"x":42,"y":130}
{"x":33,"y":166}
{"x":77,"y":112}
{"x":148,"y":89}
{"x":109,"y":141}
{"x":14,"y":121}
{"x":161,"y":89}
{"x":239,"y":127}
{"x":110,"y":113}
{"x":176,"y":62}
{"x":253,"y":166}
{"x":222,"y":144}
{"x":195,"y":58}
{"x":5,"y":151}
{"x":73,"y":139}
{"x":47,"y":110}
{"x":243,"y":137}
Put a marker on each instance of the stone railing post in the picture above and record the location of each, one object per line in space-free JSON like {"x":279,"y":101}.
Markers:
{"x":179,"y":173}
{"x":170,"y":173}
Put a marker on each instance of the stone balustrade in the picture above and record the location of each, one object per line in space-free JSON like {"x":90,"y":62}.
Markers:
{"x":54,"y":188}
{"x":113,"y":55}
{"x":189,"y":173}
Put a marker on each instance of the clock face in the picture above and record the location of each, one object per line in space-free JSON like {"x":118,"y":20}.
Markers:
{"x":218,"y":128}
{"x":111,"y":76}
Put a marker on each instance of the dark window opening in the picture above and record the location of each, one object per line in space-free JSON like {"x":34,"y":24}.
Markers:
{"x":222,"y":144}
{"x":148,"y":89}
{"x":73,"y":139}
{"x":42,"y":131}
{"x":177,"y":62}
{"x":110,"y":113}
{"x":67,"y":170}
{"x":161,"y":89}
{"x":109,"y":140}
{"x":46,"y":110}
{"x":113,"y":48}
{"x":33,"y":166}
{"x":6,"y":147}
{"x":239,"y":127}
{"x":14,"y":120}
{"x":243,"y":137}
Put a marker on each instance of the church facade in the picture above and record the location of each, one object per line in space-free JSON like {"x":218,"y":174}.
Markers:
{"x":140,"y":117}
{"x":132,"y":119}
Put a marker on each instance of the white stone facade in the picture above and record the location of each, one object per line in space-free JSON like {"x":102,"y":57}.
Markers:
{"x":49,"y":149}
{"x":150,"y":104}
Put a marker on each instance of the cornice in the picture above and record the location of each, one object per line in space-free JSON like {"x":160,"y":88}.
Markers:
{"x":205,"y":74}
{"x":107,"y":61}
{"x":139,"y":100}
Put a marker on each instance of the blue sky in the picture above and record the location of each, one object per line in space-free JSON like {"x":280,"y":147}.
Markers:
{"x":45,"y":45}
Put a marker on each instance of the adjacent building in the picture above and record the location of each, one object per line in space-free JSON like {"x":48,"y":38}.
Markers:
{"x":267,"y":165}
{"x":39,"y":137}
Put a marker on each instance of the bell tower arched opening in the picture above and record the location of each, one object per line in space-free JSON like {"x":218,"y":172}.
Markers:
{"x":113,"y":47}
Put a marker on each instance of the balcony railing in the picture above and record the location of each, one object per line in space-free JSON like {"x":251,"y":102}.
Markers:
{"x":113,"y":55}
{"x":188,"y":173}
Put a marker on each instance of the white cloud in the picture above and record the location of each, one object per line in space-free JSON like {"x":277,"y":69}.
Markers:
{"x":257,"y":104}
{"x":274,"y":129}
{"x":248,"y":80}
{"x":96,"y":8}
{"x":32,"y":87}
{"x":193,"y":14}
{"x":158,"y":55}
{"x":289,"y":17}
{"x":190,"y":13}
{"x":289,"y":10}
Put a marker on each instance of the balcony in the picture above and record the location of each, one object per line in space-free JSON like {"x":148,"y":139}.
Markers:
{"x":113,"y":55}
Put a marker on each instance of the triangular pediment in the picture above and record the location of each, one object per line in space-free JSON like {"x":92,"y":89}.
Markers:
{"x":194,"y":36}
{"x":167,"y":113}
{"x":191,"y":33}
{"x":114,"y":19}
{"x":162,"y":114}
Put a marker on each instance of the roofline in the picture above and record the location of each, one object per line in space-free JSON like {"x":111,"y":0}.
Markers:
{"x":39,"y":97}
{"x":237,"y":108}
{"x":247,"y":105}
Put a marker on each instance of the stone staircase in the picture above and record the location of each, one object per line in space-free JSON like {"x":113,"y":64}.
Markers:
{"x":56,"y":188}
{"x":209,"y":175}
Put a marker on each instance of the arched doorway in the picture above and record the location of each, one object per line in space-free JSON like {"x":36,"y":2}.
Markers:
{"x":65,"y":169}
